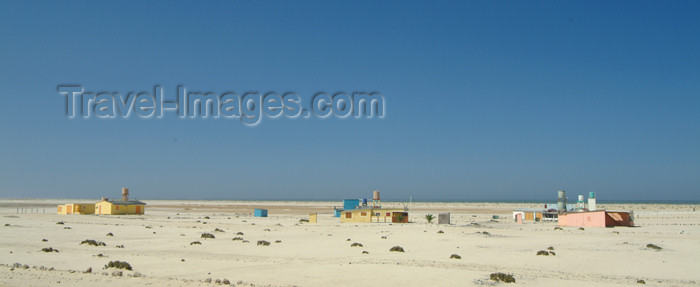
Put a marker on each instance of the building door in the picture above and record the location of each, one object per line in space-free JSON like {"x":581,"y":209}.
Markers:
{"x":138,"y":209}
{"x":99,"y":208}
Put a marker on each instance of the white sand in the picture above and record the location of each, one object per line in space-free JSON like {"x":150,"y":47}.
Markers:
{"x":320,"y":255}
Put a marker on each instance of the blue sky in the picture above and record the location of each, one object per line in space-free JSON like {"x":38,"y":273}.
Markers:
{"x":500,"y":100}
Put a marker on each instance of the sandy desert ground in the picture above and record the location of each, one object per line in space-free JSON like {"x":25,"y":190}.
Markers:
{"x":158,"y":247}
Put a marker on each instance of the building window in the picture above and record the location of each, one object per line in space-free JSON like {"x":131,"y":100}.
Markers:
{"x":363,"y":213}
{"x":387,"y":214}
{"x":348,"y":215}
{"x":377,"y":214}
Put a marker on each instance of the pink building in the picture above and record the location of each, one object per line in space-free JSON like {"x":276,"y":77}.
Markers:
{"x":598,"y":218}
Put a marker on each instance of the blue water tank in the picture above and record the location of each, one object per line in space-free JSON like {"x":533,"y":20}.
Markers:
{"x":364,"y":202}
{"x":350,"y":204}
{"x":260,"y":212}
{"x":337,"y":213}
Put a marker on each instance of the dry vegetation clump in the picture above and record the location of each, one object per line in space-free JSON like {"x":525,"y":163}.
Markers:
{"x":581,"y":228}
{"x":207,"y":217}
{"x":49,"y":249}
{"x":263,"y":243}
{"x":44,"y":240}
{"x":640,"y":281}
{"x":455,"y":256}
{"x":303,"y":220}
{"x":502,"y":277}
{"x":7,"y":224}
{"x":110,"y":234}
{"x":219,"y":230}
{"x":207,"y":235}
{"x":365,"y":252}
{"x":396,"y":249}
{"x":550,"y":248}
{"x":67,"y":227}
{"x":654,"y":246}
{"x":356,"y":245}
{"x":543,"y":253}
{"x":237,"y":239}
{"x":60,"y":223}
{"x":383,"y":237}
{"x":119,"y":265}
{"x":195,"y":243}
{"x":239,"y":233}
{"x":93,"y":242}
{"x":558,"y":228}
{"x":267,"y":229}
{"x":440,"y":232}
{"x":119,"y":246}
{"x":278,"y":241}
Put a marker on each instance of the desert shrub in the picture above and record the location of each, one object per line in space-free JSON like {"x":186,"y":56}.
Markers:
{"x":93,"y":242}
{"x":49,"y":249}
{"x":543,"y":252}
{"x":502,"y":277}
{"x":67,"y":227}
{"x":550,"y":248}
{"x":654,"y":246}
{"x":44,"y":240}
{"x":558,"y":228}
{"x":455,"y":256}
{"x":552,"y":253}
{"x":581,"y":228}
{"x":60,"y":223}
{"x":263,"y":243}
{"x":429,"y":217}
{"x":110,"y":234}
{"x":640,"y":281}
{"x":396,"y":249}
{"x":365,"y":252}
{"x":356,"y":245}
{"x":278,"y":241}
{"x":119,"y":246}
{"x":267,"y":229}
{"x":207,"y":235}
{"x":239,"y":233}
{"x":207,"y":217}
{"x":195,"y":243}
{"x":7,"y":224}
{"x":119,"y":265}
{"x":383,"y":237}
{"x":237,"y":239}
{"x":441,"y":232}
{"x":219,"y":230}
{"x":303,"y":220}
{"x":225,"y":282}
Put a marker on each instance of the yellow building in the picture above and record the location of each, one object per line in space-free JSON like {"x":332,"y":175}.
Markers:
{"x":374,"y":215}
{"x":76,"y":208}
{"x":117,"y":207}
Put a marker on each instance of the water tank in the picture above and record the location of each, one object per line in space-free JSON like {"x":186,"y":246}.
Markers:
{"x":561,"y":201}
{"x":375,"y":196}
{"x":591,"y":201}
{"x":364,"y":202}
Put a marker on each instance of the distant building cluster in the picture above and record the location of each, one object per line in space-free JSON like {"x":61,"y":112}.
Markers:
{"x":353,"y":211}
{"x":578,"y":214}
{"x":106,"y":206}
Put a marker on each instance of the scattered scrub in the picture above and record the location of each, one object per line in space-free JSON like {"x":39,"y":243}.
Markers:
{"x":207,"y":235}
{"x":558,"y":228}
{"x":44,"y":240}
{"x":552,"y":253}
{"x":263,"y":243}
{"x":550,"y":248}
{"x":502,"y":277}
{"x":119,"y":265}
{"x":543,"y":253}
{"x":119,"y":246}
{"x":365,"y":252}
{"x":219,"y":230}
{"x":455,"y":256}
{"x":303,"y":220}
{"x":49,"y":249}
{"x":237,"y":239}
{"x":640,"y":281}
{"x":278,"y":241}
{"x":356,"y":245}
{"x":654,"y":246}
{"x":239,"y":233}
{"x":195,"y":243}
{"x":110,"y":234}
{"x":93,"y":242}
{"x":581,"y":228}
{"x":383,"y":237}
{"x":396,"y":249}
{"x":60,"y":223}
{"x":440,"y":232}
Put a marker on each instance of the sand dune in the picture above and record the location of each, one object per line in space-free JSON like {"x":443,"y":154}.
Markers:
{"x":158,"y":247}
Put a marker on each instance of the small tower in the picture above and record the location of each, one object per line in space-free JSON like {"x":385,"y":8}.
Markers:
{"x":125,"y":194}
{"x":375,"y":199}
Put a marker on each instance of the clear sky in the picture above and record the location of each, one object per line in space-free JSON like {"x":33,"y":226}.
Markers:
{"x":500,"y":100}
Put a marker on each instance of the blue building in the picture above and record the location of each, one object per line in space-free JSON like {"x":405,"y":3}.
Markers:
{"x":260,"y":212}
